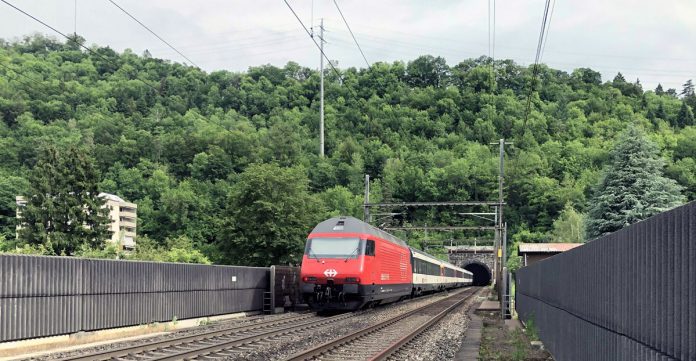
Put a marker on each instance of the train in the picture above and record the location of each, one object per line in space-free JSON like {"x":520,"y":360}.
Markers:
{"x":349,"y":264}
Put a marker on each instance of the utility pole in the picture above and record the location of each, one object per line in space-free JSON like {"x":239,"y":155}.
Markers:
{"x":501,"y":235}
{"x":321,"y":91}
{"x":366,"y":210}
{"x":501,"y":181}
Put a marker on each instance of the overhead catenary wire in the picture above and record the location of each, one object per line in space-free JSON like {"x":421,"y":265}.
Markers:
{"x":153,"y":33}
{"x":546,"y":36}
{"x":377,"y":44}
{"x":22,"y":75}
{"x":546,"y":20}
{"x":73,"y":39}
{"x":309,"y":33}
{"x":338,"y":74}
{"x":491,"y":51}
{"x":351,"y":34}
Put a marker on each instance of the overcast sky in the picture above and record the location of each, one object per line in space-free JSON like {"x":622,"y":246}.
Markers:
{"x":650,"y":40}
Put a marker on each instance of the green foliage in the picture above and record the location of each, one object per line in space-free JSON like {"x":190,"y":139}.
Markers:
{"x":514,"y":261}
{"x":110,"y":251}
{"x":633,"y":187}
{"x":569,"y":227}
{"x":685,"y":116}
{"x":180,"y":249}
{"x":187,"y":153}
{"x":14,"y":247}
{"x":63,"y":210}
{"x":270,"y":213}
{"x":531,"y":329}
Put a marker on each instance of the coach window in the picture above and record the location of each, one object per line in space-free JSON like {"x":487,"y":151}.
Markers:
{"x":370,"y":248}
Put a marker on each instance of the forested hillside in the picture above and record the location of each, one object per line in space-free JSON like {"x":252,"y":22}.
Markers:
{"x":229,"y":161}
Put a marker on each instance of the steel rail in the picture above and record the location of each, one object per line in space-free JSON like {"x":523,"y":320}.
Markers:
{"x":226,"y":345}
{"x":131,"y":351}
{"x":323,"y":349}
{"x":396,"y":346}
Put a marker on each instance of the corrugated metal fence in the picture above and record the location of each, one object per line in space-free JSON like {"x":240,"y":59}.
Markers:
{"x":630,"y":295}
{"x":43,"y":296}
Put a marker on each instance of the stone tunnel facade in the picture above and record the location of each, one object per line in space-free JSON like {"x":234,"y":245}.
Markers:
{"x":480,"y":262}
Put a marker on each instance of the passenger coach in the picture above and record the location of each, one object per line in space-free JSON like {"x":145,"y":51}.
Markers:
{"x":349,"y":264}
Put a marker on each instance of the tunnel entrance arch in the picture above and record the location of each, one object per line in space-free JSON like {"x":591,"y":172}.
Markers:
{"x":479,"y":260}
{"x":482,"y":275}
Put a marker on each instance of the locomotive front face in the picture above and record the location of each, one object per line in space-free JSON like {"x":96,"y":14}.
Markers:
{"x":332,"y":269}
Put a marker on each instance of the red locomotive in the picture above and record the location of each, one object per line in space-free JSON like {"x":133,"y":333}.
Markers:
{"x":349,"y":264}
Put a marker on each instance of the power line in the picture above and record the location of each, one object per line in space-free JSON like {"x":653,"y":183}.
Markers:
{"x":73,"y":40}
{"x":205,"y":49}
{"x":402,"y":48}
{"x":546,"y":36}
{"x":75,"y":20}
{"x":313,"y":40}
{"x":153,"y":33}
{"x":546,"y":20}
{"x":491,"y":51}
{"x":351,"y":33}
{"x":19,"y":80}
{"x":18,"y":73}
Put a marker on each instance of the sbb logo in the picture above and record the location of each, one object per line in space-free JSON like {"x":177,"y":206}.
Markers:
{"x":330,"y":272}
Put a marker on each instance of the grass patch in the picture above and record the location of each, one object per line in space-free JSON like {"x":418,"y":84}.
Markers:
{"x":498,"y":343}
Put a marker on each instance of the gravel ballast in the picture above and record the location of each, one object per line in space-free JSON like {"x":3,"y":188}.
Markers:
{"x":280,"y":348}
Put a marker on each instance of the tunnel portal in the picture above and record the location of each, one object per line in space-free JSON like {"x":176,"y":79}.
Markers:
{"x":482,"y":274}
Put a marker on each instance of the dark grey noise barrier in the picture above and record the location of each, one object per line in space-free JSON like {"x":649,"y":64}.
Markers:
{"x":630,"y":295}
{"x":45,"y":296}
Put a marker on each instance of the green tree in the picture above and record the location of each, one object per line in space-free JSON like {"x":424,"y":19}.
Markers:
{"x":687,"y":89}
{"x":633,"y":187}
{"x":270,"y":214}
{"x":178,"y":151}
{"x":659,"y":90}
{"x":569,"y":227}
{"x":64,"y":210}
{"x":177,"y":249}
{"x":685,"y":116}
{"x":427,"y":70}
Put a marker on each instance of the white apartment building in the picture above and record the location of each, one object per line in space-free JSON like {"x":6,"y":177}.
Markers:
{"x":123,"y":216}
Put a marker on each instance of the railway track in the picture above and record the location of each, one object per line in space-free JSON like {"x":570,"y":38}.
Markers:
{"x":386,"y":339}
{"x":228,"y":342}
{"x":217,"y":344}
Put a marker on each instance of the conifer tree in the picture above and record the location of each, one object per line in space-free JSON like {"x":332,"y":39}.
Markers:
{"x":685,"y":116}
{"x":633,"y":186}
{"x":659,"y":90}
{"x":688,"y":88}
{"x":660,"y":112}
{"x":63,"y":210}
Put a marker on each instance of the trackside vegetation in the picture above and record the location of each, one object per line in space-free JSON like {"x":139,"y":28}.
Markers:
{"x":224,"y":165}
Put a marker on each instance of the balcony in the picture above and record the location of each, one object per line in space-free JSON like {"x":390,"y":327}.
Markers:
{"x":126,"y":209}
{"x":127,"y":221}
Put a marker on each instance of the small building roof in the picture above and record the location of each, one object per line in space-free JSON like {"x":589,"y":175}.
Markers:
{"x":111,"y":197}
{"x":547,"y":247}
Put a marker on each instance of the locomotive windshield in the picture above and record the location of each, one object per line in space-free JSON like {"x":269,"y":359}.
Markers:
{"x":333,"y":248}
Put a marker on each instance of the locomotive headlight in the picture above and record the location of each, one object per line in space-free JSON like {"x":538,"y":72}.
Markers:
{"x":352,"y":279}
{"x":309,"y":279}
